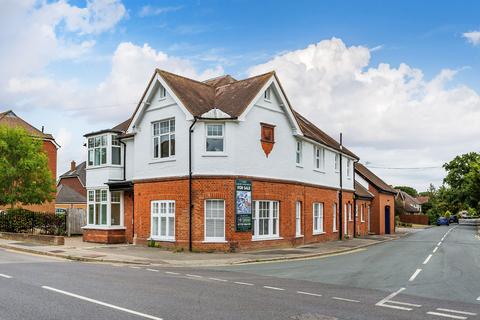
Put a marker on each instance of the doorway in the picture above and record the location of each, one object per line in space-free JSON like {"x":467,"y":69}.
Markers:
{"x":387,"y":219}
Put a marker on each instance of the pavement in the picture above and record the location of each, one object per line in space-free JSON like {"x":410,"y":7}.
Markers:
{"x":345,"y":286}
{"x":76,"y":249}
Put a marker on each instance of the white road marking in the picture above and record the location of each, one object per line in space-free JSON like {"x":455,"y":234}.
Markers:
{"x":435,"y":250}
{"x":193,"y":275}
{"x":102,"y":303}
{"x":478,"y":299}
{"x":414,"y":275}
{"x":244,"y":283}
{"x":273,"y":288}
{"x":135,"y":267}
{"x":428,"y":259}
{"x":405,"y":303}
{"x":174,"y":273}
{"x":309,"y":293}
{"x":456,"y":311}
{"x":439,"y":244}
{"x":153,"y":270}
{"x":5,"y":276}
{"x":382,"y":302}
{"x":446,"y":315}
{"x":217,"y":279}
{"x":345,"y":299}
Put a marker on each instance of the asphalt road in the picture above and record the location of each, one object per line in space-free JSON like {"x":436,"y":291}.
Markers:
{"x":337,"y":287}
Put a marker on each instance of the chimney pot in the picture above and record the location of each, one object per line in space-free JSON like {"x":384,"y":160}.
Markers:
{"x":73,"y":165}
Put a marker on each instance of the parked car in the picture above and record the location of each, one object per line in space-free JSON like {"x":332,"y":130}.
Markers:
{"x":453,"y":219}
{"x":442,"y":221}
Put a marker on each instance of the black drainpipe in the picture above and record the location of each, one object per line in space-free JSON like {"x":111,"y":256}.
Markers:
{"x":124,"y":179}
{"x":190,"y":204}
{"x":340,"y":206}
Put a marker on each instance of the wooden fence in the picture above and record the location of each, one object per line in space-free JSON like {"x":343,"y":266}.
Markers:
{"x":414,"y":218}
{"x":76,"y":219}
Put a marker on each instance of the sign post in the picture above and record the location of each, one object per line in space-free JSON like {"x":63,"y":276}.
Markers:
{"x":243,"y":205}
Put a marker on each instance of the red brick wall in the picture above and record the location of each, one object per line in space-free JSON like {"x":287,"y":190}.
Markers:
{"x":104,"y":236}
{"x":362,"y":227}
{"x":415,"y":218}
{"x":75,"y":184}
{"x":378,"y":211}
{"x":223,"y":188}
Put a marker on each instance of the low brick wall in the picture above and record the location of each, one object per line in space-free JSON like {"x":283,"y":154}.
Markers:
{"x":35,"y":238}
{"x":104,"y":235}
{"x":416,"y":219}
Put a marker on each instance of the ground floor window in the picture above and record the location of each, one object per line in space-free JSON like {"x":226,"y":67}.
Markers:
{"x":104,"y":208}
{"x":265,"y":219}
{"x":317,"y":218}
{"x":298,"y":218}
{"x":334,"y":217}
{"x":362,"y":217}
{"x":350,"y":212}
{"x":214,"y":220}
{"x":163,"y":220}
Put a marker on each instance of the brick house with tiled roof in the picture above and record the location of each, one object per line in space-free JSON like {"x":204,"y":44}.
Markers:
{"x":223,"y":164}
{"x":71,"y":188}
{"x":10,"y":119}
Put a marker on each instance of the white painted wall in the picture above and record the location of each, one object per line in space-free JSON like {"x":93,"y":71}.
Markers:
{"x":362,"y":181}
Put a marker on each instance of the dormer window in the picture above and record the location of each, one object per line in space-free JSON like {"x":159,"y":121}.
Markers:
{"x":163,"y":92}
{"x":267,"y":94}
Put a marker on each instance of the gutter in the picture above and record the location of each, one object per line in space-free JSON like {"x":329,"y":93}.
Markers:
{"x":190,"y":203}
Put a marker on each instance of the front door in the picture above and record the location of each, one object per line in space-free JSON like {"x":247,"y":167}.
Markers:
{"x":387,"y":219}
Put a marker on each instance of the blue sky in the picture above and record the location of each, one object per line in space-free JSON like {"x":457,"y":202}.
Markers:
{"x":71,"y":83}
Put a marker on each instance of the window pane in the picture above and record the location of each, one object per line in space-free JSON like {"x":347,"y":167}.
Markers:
{"x":155,"y":147}
{"x":171,"y":226}
{"x":91,"y":212}
{"x":164,"y":127}
{"x":172,"y":145}
{"x":91,"y":142}
{"x":163,"y":226}
{"x":155,"y":226}
{"x":115,"y":196}
{"x":103,"y":140}
{"x":104,"y":214}
{"x":97,"y":157}
{"x":97,"y":195}
{"x":104,"y":196}
{"x":97,"y":141}
{"x":214,"y":144}
{"x":91,"y":195}
{"x":172,"y":125}
{"x":215,"y":130}
{"x":97,"y":213}
{"x":115,"y":213}
{"x":164,"y":146}
{"x":156,"y":129}
{"x":116,"y":158}
{"x":103,"y":153}
{"x":90,"y":157}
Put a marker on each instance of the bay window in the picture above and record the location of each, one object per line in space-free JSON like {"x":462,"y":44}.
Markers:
{"x":265,"y":220}
{"x":97,"y":150}
{"x":105,"y":208}
{"x":215,"y":135}
{"x":214,"y":220}
{"x":317,"y":218}
{"x":116,"y":151}
{"x":163,"y":139}
{"x":163,"y":220}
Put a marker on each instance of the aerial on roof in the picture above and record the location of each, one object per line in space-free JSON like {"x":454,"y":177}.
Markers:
{"x":229,"y":95}
{"x":10,"y":119}
{"x":373,"y":179}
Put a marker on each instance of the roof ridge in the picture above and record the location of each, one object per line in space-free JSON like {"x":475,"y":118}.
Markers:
{"x":177,"y":75}
{"x":218,"y":77}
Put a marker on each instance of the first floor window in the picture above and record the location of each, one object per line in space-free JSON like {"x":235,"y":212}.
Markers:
{"x":116,"y":151}
{"x":298,"y":219}
{"x":97,"y":207}
{"x":163,"y":139}
{"x":163,"y":220}
{"x":349,"y":166}
{"x":214,"y":220}
{"x":298,"y":154}
{"x":318,"y":218}
{"x":334,"y":217}
{"x":337,"y":162}
{"x":319,"y":158}
{"x":265,"y":219}
{"x":97,"y":150}
{"x":215,"y":137}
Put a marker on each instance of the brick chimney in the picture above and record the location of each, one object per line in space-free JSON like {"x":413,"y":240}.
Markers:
{"x":73,"y":165}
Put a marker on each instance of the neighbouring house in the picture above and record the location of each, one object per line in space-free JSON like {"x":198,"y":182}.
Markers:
{"x":50,"y":146}
{"x":71,"y":189}
{"x":223,"y":164}
{"x":408,"y":204}
{"x":422,"y":199}
{"x":383,"y":203}
{"x":363,"y":208}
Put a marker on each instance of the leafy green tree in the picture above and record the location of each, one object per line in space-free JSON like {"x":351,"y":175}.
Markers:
{"x":24,"y":174}
{"x":409,"y":190}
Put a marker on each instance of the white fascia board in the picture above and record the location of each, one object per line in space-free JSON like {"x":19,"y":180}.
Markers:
{"x":146,"y":101}
{"x":216,"y":114}
{"x":296,"y":128}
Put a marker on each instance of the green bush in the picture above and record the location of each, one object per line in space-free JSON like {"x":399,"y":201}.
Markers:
{"x":20,"y":220}
{"x":447,"y":214}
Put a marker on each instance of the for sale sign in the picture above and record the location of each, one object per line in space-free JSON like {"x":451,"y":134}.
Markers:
{"x":243,"y":205}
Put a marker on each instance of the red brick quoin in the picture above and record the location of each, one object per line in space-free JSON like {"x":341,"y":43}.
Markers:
{"x":286,"y":193}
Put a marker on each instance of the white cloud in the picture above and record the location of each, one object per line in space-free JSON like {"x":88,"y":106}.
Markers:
{"x":391,"y":116}
{"x":147,"y":11}
{"x":472,"y":37}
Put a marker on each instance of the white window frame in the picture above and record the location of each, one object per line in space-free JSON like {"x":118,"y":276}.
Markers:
{"x":298,"y":218}
{"x":349,"y":166}
{"x":159,"y":215}
{"x":318,"y":217}
{"x":319,"y":158}
{"x":214,"y":239}
{"x":267,"y":95}
{"x":92,"y":147}
{"x":337,"y":162}
{"x":105,"y":197}
{"x":356,"y":212}
{"x":159,"y":136}
{"x":162,"y":92}
{"x":115,"y":143}
{"x":345,"y":220}
{"x":362,"y":217}
{"x":369,"y":212}
{"x":207,"y":124}
{"x":299,"y":153}
{"x":334,"y":224}
{"x":350,"y":218}
{"x":272,"y":234}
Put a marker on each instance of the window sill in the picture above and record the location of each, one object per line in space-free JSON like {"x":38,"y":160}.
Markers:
{"x":318,"y":233}
{"x":335,"y":231}
{"x":299,"y":166}
{"x":214,"y":154}
{"x":104,"y":166}
{"x":162,"y":98}
{"x":267,"y":100}
{"x":319,"y":171}
{"x":161,"y":160}
{"x":215,"y":241}
{"x":266,"y":239}
{"x":162,"y":239}
{"x":299,"y":236}
{"x":95,"y":227}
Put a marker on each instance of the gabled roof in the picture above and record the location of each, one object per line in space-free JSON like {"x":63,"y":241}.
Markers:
{"x":373,"y":179}
{"x":79,"y":172}
{"x":408,"y":201}
{"x":10,"y":119}
{"x":362,"y":192}
{"x":65,"y":194}
{"x":422,"y":199}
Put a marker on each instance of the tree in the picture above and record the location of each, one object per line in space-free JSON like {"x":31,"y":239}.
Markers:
{"x":409,"y":190}
{"x":24,"y":174}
